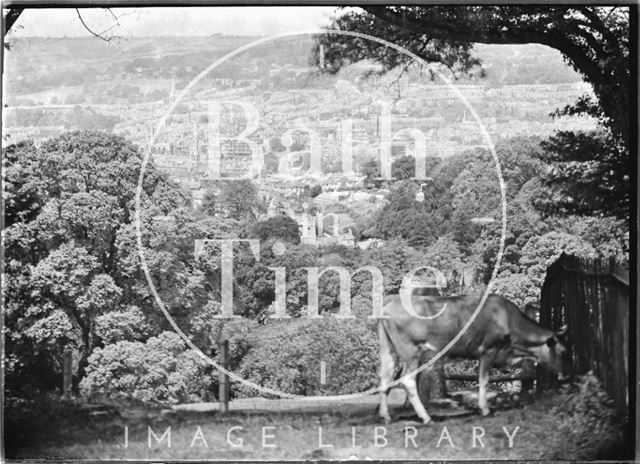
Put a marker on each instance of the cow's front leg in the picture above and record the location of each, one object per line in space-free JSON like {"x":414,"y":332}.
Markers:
{"x":486,"y":360}
{"x":387,"y":371}
{"x":411,"y":388}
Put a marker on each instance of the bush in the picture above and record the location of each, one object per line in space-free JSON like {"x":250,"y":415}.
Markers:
{"x":518,"y":288}
{"x":541,"y":251}
{"x":287,"y":357}
{"x":161,"y":371}
{"x":278,"y":227}
{"x":586,"y":421}
{"x":238,"y":333}
{"x":127,"y":325}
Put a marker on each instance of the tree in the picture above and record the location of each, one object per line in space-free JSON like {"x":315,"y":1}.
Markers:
{"x":255,"y":282}
{"x":315,"y":190}
{"x":446,"y":256}
{"x":69,"y":201}
{"x":476,"y":193}
{"x":594,"y":40}
{"x":68,"y":282}
{"x":160,"y":371}
{"x":371,"y":170}
{"x":209,"y":203}
{"x":23,"y":187}
{"x":519,"y":288}
{"x":541,"y":251}
{"x":524,"y":222}
{"x":168,"y":196}
{"x":129,"y":324}
{"x":477,"y":187}
{"x":279,"y":227}
{"x":402,"y":216}
{"x":609,"y":236}
{"x":590,"y":175}
{"x":239,"y":199}
{"x":340,"y":50}
{"x":107,"y":35}
{"x":185,"y":283}
{"x":285,"y":356}
{"x":402,"y":168}
{"x":394,"y":260}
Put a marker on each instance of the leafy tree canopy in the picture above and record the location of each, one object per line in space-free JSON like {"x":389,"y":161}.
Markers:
{"x":279,"y":227}
{"x":69,"y":202}
{"x":589,"y":175}
{"x":235,"y":199}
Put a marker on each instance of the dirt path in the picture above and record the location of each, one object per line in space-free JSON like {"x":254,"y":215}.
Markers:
{"x":268,"y":429}
{"x":364,"y":403}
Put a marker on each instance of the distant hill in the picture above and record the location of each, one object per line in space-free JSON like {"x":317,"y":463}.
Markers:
{"x":39,"y":64}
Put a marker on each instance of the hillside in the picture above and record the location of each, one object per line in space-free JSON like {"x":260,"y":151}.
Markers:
{"x":37,"y":64}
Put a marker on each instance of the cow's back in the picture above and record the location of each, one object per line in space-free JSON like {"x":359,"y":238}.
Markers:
{"x":491,"y":326}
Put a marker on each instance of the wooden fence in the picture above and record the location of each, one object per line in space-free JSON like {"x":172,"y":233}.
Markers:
{"x":592,"y":298}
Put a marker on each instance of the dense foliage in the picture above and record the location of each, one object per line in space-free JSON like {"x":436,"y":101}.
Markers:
{"x":159,"y":371}
{"x":587,"y":418}
{"x":74,"y":276}
{"x":287,"y":358}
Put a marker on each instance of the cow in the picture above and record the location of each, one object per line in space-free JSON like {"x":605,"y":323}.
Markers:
{"x":500,"y":335}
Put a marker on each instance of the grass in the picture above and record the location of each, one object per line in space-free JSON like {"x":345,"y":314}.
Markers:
{"x":67,"y":434}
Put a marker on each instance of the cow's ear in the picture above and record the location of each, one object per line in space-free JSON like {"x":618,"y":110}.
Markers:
{"x":562,"y":330}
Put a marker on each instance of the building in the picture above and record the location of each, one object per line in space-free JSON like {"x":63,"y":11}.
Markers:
{"x":317,"y":230}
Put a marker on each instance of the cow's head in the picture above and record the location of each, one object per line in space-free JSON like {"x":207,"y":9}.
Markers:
{"x":553,"y":354}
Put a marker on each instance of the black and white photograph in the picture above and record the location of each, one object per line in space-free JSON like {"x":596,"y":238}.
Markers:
{"x":315,"y":232}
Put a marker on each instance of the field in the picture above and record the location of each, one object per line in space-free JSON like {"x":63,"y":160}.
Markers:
{"x":278,"y":430}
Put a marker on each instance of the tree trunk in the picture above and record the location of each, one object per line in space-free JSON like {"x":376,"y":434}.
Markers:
{"x":84,"y":349}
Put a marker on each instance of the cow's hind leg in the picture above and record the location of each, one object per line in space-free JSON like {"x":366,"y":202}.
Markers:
{"x":408,"y":357}
{"x":410,"y":386}
{"x":484,"y":370}
{"x":387,"y":372}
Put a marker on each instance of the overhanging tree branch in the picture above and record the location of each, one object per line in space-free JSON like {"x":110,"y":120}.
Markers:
{"x":434,"y":28}
{"x":593,"y":40}
{"x":93,"y":33}
{"x":11,"y":17}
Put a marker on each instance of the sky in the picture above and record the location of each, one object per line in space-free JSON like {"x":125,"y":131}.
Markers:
{"x":177,"y":21}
